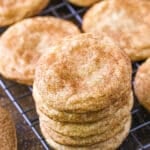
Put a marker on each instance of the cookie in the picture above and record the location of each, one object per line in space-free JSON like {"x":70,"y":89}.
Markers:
{"x":83,"y":2}
{"x":73,"y":75}
{"x":120,"y":18}
{"x":142,"y":84}
{"x":83,"y":141}
{"x":23,"y":43}
{"x":76,"y":117}
{"x":8,"y":139}
{"x":15,"y":10}
{"x":110,"y":144}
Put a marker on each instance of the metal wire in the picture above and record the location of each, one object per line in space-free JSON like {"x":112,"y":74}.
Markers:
{"x":139,"y":137}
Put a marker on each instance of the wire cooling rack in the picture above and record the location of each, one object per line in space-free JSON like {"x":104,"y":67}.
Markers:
{"x":21,"y":96}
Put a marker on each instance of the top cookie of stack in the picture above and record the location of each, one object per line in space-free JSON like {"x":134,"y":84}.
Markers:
{"x":79,"y":77}
{"x":77,"y":71}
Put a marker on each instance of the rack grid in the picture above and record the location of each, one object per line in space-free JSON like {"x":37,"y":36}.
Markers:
{"x":21,"y":96}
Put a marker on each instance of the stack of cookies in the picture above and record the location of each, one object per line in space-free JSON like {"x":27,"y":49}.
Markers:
{"x":83,"y":96}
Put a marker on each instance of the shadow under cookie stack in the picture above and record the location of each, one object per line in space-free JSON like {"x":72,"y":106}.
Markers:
{"x":84,"y":102}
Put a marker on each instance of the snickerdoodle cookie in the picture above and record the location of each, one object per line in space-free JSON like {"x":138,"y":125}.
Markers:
{"x":8,"y":139}
{"x":142,"y":84}
{"x":73,"y":75}
{"x":22,"y":44}
{"x":83,"y":2}
{"x":110,"y":144}
{"x":12,"y":11}
{"x":127,"y":18}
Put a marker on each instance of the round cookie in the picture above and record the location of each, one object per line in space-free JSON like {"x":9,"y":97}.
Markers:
{"x":12,"y":11}
{"x":83,"y":2}
{"x":23,"y":43}
{"x":8,"y":139}
{"x":110,"y":144}
{"x":120,"y":18}
{"x":84,"y":141}
{"x":76,"y":117}
{"x":142,"y":84}
{"x":87,"y":129}
{"x":66,"y":74}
